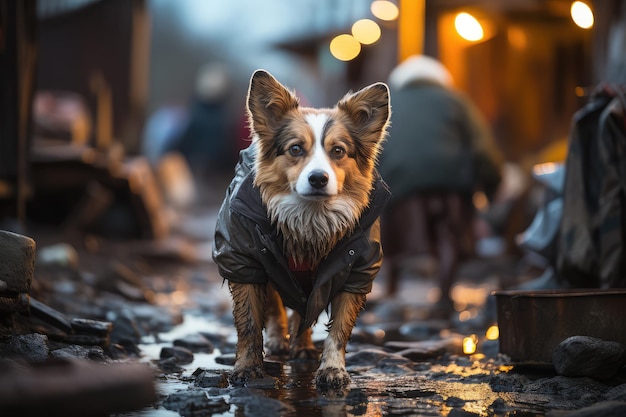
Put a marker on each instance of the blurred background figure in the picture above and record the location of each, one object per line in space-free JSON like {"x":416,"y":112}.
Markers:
{"x":206,"y":141}
{"x":439,"y":153}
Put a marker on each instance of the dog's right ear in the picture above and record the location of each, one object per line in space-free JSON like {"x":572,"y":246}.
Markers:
{"x":268,"y":101}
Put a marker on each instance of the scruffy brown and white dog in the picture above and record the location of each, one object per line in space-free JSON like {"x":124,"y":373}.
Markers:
{"x":299,"y":226}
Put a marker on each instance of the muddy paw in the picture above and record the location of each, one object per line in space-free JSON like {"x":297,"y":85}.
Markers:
{"x":305,"y":354}
{"x":241,"y":376}
{"x":332,"y":378}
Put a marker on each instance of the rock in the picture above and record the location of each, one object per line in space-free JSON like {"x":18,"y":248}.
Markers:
{"x":588,"y":356}
{"x":86,"y":326}
{"x":169,"y":365}
{"x":422,"y":351}
{"x":181,"y":354}
{"x":197,"y":343}
{"x":17,"y":262}
{"x":195,"y":403}
{"x":227,"y":359}
{"x":426,"y":349}
{"x":206,"y":378}
{"x":79,"y":352}
{"x":578,"y":392}
{"x":617,"y":393}
{"x":125,"y":333}
{"x":366,"y":357}
{"x":220,"y":342}
{"x":602,"y":409}
{"x":504,"y":382}
{"x":257,"y":405}
{"x":30,"y":347}
{"x":50,"y":315}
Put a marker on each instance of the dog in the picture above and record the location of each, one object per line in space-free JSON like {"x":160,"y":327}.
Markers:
{"x":299,"y":226}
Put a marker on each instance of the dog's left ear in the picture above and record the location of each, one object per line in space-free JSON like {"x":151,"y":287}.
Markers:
{"x":369,"y":110}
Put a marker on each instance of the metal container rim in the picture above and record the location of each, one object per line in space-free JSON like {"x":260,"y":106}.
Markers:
{"x":562,"y":293}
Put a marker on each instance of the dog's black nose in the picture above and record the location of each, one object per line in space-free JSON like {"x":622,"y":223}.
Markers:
{"x":318,"y":179}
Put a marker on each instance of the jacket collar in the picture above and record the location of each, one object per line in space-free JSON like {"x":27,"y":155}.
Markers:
{"x":247,"y":202}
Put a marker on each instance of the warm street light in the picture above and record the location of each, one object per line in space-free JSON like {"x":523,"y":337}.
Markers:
{"x":468,"y":27}
{"x":582,"y":14}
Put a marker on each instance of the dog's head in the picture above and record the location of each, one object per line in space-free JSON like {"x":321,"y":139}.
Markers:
{"x":316,"y":154}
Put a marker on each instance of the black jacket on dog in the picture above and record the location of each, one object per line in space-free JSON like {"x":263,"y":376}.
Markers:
{"x":248,"y":249}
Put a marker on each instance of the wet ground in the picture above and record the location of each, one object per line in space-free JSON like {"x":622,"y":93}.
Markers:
{"x":402,"y":362}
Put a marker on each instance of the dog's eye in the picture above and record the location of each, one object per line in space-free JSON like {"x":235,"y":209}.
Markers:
{"x":337,"y":152}
{"x":296,"y":150}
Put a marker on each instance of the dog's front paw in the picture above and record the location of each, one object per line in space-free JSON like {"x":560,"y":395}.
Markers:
{"x":240,"y":376}
{"x":332,"y":378}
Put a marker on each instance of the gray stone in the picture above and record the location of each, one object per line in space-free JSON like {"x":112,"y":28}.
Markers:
{"x":195,"y":403}
{"x":366,"y":357}
{"x":79,"y":352}
{"x":226,"y":359}
{"x":30,"y":347}
{"x":181,"y":354}
{"x":258,"y":405}
{"x":589,"y":356}
{"x":17,"y":262}
{"x":197,"y":343}
{"x":87,"y":326}
{"x":617,"y":393}
{"x":602,"y":409}
{"x":206,"y":378}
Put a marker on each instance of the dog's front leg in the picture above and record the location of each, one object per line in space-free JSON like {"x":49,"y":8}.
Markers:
{"x":248,"y":313}
{"x":345,"y":308}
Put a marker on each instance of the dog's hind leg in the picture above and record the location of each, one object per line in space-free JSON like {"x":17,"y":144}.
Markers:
{"x":301,"y":346}
{"x":276,"y":324}
{"x":345,"y":308}
{"x":248,"y":313}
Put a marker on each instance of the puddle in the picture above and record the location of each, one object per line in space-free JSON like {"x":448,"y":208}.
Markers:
{"x":434,"y":389}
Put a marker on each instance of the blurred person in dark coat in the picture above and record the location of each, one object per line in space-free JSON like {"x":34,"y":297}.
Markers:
{"x":206,"y":140}
{"x":439,"y":153}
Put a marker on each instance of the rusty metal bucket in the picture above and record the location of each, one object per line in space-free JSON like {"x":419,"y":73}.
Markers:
{"x":533,"y":323}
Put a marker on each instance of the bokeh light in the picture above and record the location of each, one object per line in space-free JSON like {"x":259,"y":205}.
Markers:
{"x":582,"y":14}
{"x":366,"y":31}
{"x":492,"y":333}
{"x":345,"y":47}
{"x":384,"y":10}
{"x":468,"y":27}
{"x":469,"y":344}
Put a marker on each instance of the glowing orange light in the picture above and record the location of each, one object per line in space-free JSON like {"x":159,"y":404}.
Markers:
{"x":366,"y":31}
{"x":469,"y":344}
{"x":468,"y":27}
{"x":492,"y":333}
{"x":345,"y":47}
{"x":384,"y":10}
{"x":582,"y":15}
